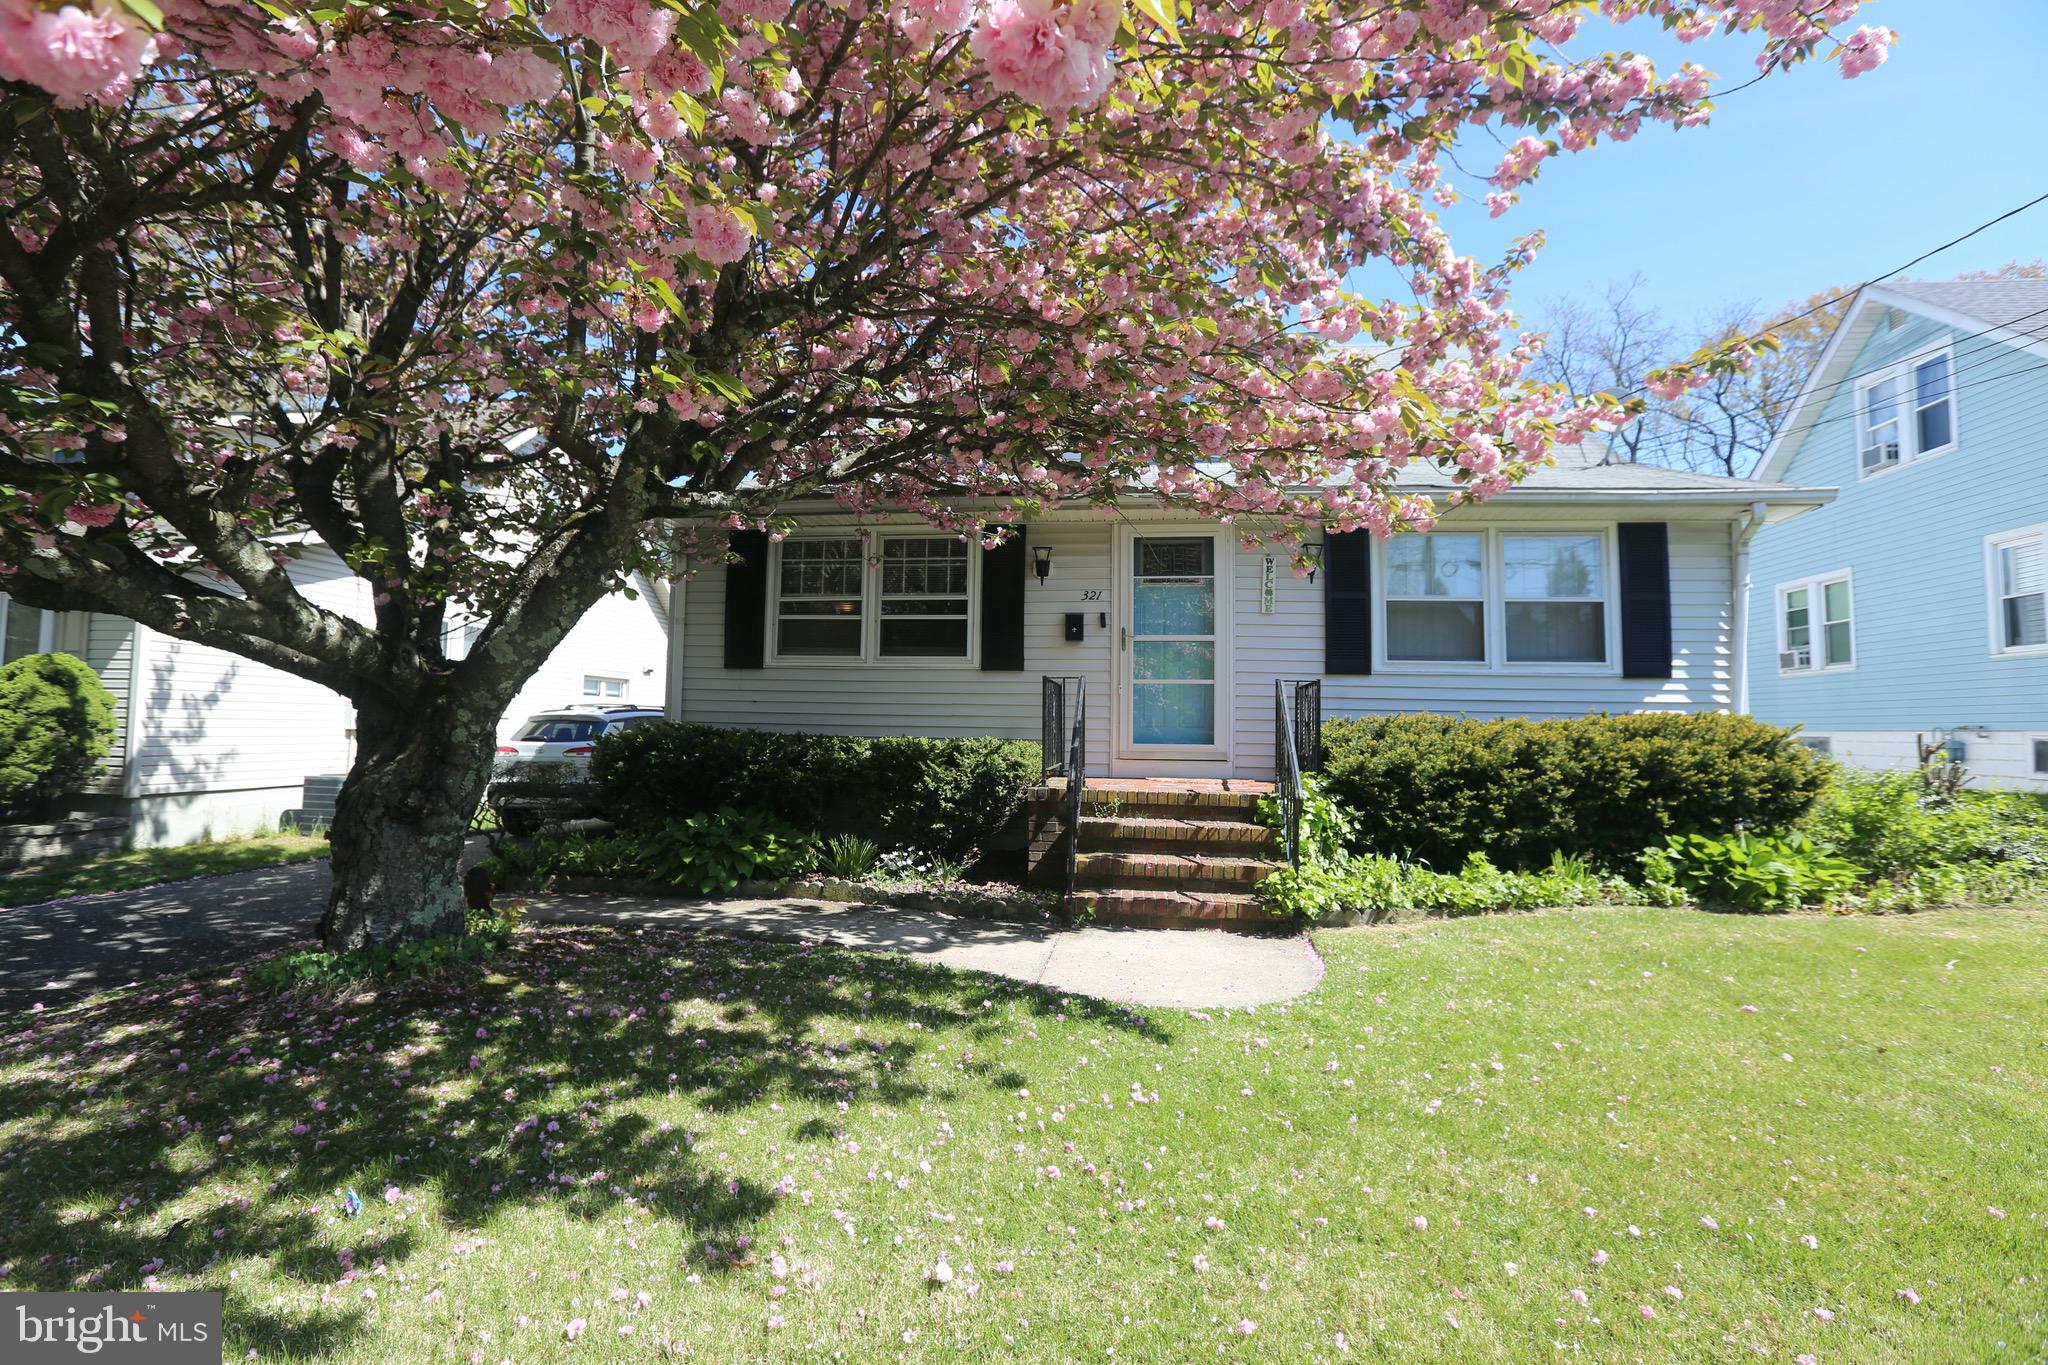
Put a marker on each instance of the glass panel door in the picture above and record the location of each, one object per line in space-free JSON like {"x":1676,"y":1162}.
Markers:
{"x":1173,"y":641}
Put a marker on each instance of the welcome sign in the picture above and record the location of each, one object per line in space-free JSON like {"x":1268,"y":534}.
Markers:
{"x":119,"y":1329}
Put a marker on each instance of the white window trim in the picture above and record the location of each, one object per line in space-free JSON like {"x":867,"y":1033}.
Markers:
{"x":602,"y":678}
{"x":2033,"y":767}
{"x":1816,"y":597}
{"x":871,"y":655}
{"x":1994,"y":616}
{"x":46,"y":628}
{"x":1909,"y":411}
{"x":1494,"y":570}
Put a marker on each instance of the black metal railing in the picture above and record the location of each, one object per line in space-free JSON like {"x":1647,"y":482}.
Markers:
{"x":1052,"y":724}
{"x":1297,"y":749}
{"x":1063,"y":734}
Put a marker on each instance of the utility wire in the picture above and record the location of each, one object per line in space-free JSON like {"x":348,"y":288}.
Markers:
{"x":1902,"y":269}
{"x":1889,"y":274}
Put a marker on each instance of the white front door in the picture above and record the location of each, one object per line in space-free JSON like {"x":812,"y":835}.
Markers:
{"x":1173,"y":655}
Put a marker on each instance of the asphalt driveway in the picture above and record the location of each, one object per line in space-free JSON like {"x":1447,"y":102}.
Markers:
{"x":59,"y":951}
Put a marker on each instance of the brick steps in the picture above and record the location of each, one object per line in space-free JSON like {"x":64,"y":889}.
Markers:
{"x":1176,"y":834}
{"x":1165,"y":854}
{"x":1155,"y":909}
{"x":1176,"y":871}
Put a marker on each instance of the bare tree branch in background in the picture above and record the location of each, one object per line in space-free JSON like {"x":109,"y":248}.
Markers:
{"x":1605,"y":345}
{"x":1724,"y":426}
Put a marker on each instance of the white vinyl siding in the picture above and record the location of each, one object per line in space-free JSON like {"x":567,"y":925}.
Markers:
{"x":955,"y":698}
{"x":2016,"y":568}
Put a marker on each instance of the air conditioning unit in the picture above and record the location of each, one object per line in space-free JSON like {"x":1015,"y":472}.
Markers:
{"x":1879,"y":455}
{"x":1795,"y":658}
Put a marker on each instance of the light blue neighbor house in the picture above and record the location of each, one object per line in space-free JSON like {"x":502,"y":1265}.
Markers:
{"x":1913,"y":610}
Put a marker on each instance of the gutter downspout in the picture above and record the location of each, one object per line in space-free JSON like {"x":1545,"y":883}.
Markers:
{"x":678,"y":593}
{"x":1741,"y":531}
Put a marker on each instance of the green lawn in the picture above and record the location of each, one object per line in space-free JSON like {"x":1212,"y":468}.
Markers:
{"x":1766,"y":1131}
{"x":148,"y":866}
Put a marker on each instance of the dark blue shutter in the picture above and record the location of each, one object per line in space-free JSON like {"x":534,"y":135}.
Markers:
{"x":1645,"y":599}
{"x":1347,"y":603}
{"x":1002,"y":606}
{"x":746,"y":600}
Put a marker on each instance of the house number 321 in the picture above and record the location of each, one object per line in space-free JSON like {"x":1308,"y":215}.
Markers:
{"x":1091,"y":594}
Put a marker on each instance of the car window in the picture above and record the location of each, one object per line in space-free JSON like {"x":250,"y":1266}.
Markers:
{"x":560,"y":730}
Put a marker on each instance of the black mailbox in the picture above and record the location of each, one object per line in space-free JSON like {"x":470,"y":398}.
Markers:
{"x":1075,"y":626}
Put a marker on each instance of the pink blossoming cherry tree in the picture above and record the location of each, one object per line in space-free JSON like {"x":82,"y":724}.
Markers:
{"x":501,"y":300}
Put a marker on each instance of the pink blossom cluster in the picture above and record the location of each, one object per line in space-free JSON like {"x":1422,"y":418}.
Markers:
{"x":88,"y":55}
{"x":1053,"y":54}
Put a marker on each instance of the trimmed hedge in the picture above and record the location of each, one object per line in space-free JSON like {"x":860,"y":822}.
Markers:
{"x":1439,"y":788}
{"x":937,"y":795}
{"x":56,"y":724}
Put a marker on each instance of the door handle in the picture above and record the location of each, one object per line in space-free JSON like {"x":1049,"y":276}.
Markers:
{"x":1123,"y":637}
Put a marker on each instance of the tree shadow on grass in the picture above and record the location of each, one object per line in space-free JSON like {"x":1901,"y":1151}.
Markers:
{"x":518,"y":1082}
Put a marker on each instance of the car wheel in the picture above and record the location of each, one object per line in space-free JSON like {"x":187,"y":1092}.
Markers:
{"x":524,"y":823}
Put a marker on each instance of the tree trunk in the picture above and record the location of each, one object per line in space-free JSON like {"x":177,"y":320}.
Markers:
{"x":401,"y":819}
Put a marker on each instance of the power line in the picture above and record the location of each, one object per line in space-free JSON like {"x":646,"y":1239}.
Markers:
{"x":1902,"y":269}
{"x":1889,"y":274}
{"x":1961,"y":361}
{"x":1954,"y":389}
{"x":1953,"y":340}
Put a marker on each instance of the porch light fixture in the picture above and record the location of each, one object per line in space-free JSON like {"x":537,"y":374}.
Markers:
{"x":1041,"y":561}
{"x":1312,"y":551}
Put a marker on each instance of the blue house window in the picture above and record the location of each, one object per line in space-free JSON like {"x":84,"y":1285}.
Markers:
{"x":2017,"y":563}
{"x":1816,"y":625}
{"x":1906,"y":413}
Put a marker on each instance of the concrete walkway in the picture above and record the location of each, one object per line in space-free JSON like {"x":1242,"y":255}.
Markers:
{"x":1175,"y":968}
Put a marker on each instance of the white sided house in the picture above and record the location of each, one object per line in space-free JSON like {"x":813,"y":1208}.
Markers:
{"x":1589,"y":587}
{"x":212,"y":745}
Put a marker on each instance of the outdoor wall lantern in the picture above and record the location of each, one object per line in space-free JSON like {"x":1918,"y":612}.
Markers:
{"x":1312,"y":551}
{"x":1041,"y":561}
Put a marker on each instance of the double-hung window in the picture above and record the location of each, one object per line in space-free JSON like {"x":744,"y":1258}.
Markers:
{"x":1556,"y":598}
{"x":24,"y":630}
{"x":1436,"y":598}
{"x":2017,"y":565}
{"x":1906,"y":413}
{"x":1497,"y":599}
{"x":923,"y":598}
{"x":1816,"y":628}
{"x":896,"y":597}
{"x":818,"y":600}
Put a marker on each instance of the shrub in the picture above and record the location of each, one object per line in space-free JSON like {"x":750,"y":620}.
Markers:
{"x":717,"y":852}
{"x":1755,"y":872}
{"x":1890,"y":824}
{"x":1437,"y":789}
{"x":943,"y":794}
{"x":56,"y":723}
{"x":848,"y":856}
{"x":1381,"y":887}
{"x":1327,"y":827}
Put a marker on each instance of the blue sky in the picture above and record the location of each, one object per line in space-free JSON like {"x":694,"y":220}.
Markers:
{"x":1803,"y":181}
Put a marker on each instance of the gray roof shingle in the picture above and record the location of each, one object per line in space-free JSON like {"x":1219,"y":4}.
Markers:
{"x":1574,"y":475}
{"x":1999,"y":303}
